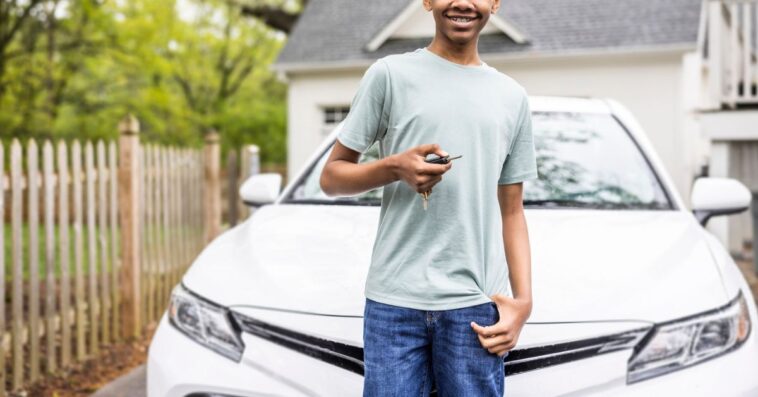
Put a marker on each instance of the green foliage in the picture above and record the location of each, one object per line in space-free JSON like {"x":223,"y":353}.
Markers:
{"x":74,"y":68}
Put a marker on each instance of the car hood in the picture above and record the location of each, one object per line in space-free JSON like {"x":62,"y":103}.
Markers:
{"x":587,"y":265}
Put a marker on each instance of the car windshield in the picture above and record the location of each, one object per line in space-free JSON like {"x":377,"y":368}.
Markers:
{"x":584,"y":160}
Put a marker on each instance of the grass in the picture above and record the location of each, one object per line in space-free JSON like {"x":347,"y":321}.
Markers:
{"x":25,"y":249}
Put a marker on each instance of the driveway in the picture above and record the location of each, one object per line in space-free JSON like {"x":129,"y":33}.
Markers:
{"x":133,"y":384}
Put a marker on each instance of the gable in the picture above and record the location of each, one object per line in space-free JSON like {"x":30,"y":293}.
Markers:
{"x":415,"y":22}
{"x":337,"y":33}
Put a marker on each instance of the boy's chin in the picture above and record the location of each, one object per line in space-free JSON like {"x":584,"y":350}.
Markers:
{"x":461,"y":39}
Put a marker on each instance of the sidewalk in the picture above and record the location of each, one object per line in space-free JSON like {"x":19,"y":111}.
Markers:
{"x":133,"y":384}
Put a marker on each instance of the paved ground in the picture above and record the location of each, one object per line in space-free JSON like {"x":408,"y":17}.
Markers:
{"x":133,"y":384}
{"x":130,"y":385}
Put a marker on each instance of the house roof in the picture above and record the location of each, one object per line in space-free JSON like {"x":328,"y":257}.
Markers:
{"x":334,"y":31}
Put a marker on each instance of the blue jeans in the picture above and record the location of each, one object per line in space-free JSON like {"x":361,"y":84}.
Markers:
{"x":408,"y":351}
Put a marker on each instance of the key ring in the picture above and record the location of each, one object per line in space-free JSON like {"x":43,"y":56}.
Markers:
{"x":425,"y":197}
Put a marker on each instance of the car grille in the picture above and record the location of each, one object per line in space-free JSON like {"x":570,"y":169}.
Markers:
{"x":350,"y":357}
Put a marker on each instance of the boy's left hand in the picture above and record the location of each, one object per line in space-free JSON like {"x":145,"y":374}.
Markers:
{"x":501,"y":337}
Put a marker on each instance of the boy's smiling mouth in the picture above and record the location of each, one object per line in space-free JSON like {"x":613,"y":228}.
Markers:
{"x":461,"y":20}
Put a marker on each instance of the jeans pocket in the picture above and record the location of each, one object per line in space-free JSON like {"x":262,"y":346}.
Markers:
{"x":496,"y":312}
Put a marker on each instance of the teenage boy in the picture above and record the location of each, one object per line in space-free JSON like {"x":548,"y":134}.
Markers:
{"x":439,"y":307}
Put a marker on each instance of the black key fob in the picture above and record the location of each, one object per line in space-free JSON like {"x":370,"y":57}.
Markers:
{"x":442,"y":160}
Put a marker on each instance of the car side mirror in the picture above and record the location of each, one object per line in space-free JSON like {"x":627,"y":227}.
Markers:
{"x":261,"y":189}
{"x":718,"y":196}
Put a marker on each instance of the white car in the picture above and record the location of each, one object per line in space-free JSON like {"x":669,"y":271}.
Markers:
{"x":632,"y":295}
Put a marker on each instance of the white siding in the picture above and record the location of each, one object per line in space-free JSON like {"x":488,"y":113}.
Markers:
{"x":743,"y":165}
{"x":307,"y":95}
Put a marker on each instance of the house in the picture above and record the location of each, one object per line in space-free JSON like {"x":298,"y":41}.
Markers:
{"x":685,"y":68}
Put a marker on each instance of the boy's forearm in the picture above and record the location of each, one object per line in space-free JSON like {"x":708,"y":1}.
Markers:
{"x":518,"y":255}
{"x":344,"y":178}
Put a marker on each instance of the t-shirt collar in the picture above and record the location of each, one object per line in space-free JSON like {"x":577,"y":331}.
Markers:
{"x":442,"y":60}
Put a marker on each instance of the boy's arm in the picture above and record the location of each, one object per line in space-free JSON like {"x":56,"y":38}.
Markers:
{"x":516,"y":242}
{"x":343,"y":176}
{"x":501,"y":337}
{"x":520,"y":165}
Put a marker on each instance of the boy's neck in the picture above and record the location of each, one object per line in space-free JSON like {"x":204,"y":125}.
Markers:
{"x":464,"y":54}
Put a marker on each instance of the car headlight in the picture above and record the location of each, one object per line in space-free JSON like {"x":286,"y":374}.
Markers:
{"x":205,"y":322}
{"x":678,"y":344}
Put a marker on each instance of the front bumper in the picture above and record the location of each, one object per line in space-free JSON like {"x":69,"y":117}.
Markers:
{"x":733,"y":375}
{"x":177,"y":367}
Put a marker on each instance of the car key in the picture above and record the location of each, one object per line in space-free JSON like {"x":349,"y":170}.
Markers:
{"x":437,"y":160}
{"x":443,"y":160}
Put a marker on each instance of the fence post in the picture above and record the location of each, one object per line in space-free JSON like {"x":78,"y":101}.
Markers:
{"x":254,"y":152}
{"x":251,"y":165}
{"x":212,"y":191}
{"x":232,"y":185}
{"x":129,"y":204}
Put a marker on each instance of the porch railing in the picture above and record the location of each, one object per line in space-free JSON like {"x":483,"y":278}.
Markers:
{"x":728,"y":42}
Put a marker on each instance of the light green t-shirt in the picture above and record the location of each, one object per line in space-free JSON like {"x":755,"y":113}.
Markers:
{"x":452,"y":255}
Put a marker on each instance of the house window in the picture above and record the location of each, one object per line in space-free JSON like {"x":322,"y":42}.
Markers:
{"x":334,"y":115}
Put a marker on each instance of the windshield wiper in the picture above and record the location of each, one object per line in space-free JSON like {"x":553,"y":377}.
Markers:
{"x":564,"y":203}
{"x":334,"y":202}
{"x":559,"y":203}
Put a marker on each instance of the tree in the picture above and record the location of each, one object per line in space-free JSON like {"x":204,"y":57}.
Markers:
{"x":45,"y":53}
{"x":12,"y":17}
{"x":73,"y":68}
{"x":226,"y":50}
{"x":280,"y":15}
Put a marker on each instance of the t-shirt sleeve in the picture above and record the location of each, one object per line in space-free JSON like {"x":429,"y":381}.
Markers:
{"x":521,"y":161}
{"x":368,"y":117}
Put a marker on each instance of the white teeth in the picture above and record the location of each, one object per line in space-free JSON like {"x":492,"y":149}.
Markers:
{"x":460,"y":19}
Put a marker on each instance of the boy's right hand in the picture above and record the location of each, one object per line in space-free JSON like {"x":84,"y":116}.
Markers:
{"x":417,"y":173}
